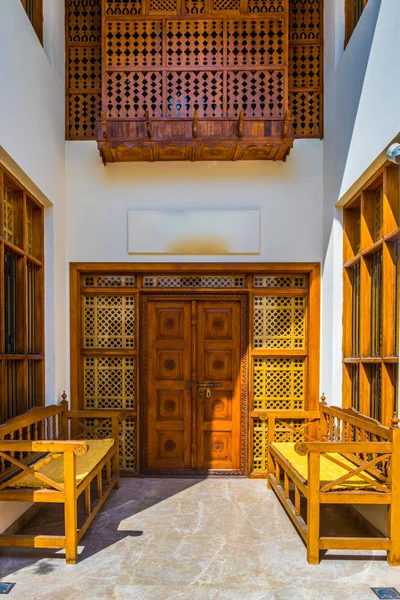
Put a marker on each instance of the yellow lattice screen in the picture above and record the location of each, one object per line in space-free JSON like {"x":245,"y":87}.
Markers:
{"x":109,"y":321}
{"x":260,"y":439}
{"x":8,"y":202}
{"x":279,"y":353}
{"x":110,"y":382}
{"x":127,"y":440}
{"x":279,"y":322}
{"x":279,"y":383}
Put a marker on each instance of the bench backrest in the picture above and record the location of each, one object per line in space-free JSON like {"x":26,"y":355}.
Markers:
{"x":46,"y":423}
{"x":348,"y":425}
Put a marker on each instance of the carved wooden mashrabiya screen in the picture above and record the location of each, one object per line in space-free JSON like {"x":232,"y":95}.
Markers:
{"x":195,"y":80}
{"x":176,"y":73}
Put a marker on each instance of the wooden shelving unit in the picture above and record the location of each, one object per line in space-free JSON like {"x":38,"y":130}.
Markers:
{"x":371,"y":296}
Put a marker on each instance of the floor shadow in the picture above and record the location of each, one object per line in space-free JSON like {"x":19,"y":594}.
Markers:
{"x":129,"y":500}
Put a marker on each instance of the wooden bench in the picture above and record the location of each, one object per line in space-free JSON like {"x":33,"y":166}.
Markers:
{"x":44,"y":457}
{"x":342,"y":457}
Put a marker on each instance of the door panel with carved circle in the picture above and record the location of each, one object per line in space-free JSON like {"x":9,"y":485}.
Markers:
{"x":218,"y":361}
{"x":169,"y":398}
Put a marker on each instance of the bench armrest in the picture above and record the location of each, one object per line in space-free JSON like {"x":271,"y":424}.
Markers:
{"x":303,"y":448}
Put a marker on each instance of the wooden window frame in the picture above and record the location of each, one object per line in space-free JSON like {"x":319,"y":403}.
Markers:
{"x":351,"y":18}
{"x":377,"y":327}
{"x":37,"y":17}
{"x":28,"y":248}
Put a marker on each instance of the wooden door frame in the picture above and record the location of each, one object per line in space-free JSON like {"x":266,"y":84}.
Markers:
{"x":249,"y":269}
{"x":190,"y":296}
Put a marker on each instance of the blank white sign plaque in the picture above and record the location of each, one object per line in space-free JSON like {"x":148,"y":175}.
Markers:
{"x":194,"y":231}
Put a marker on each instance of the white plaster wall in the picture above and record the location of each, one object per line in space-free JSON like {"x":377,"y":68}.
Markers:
{"x":32,"y":146}
{"x":288,"y":194}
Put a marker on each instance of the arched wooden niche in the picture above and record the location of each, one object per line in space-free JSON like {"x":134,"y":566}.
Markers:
{"x":195,"y":80}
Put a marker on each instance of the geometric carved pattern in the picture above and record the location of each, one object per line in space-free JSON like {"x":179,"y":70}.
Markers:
{"x":305,"y":19}
{"x":133,"y":44}
{"x":279,"y":383}
{"x":195,"y":281}
{"x":194,"y":43}
{"x":306,"y":110}
{"x":109,"y":382}
{"x":266,"y":6}
{"x":123,"y":7}
{"x":191,"y":91}
{"x":130,"y":94}
{"x":162,"y":6}
{"x":8,"y":205}
{"x":84,"y":68}
{"x":83,"y":114}
{"x":127,"y":439}
{"x":110,"y":281}
{"x":305,"y":68}
{"x":260,"y":439}
{"x":258,"y":93}
{"x":256,"y":42}
{"x":109,"y":321}
{"x":226,"y":4}
{"x":194,"y":7}
{"x":84,"y":21}
{"x":279,"y":322}
{"x":274,"y":281}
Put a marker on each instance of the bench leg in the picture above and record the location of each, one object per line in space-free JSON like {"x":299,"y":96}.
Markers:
{"x":70,"y":509}
{"x":313,"y":510}
{"x":393,"y":556}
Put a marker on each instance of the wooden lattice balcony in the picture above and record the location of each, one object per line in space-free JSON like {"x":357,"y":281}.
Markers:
{"x":204,"y":80}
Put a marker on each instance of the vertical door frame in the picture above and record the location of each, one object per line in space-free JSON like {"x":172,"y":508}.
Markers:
{"x":248,"y":270}
{"x":195,"y":295}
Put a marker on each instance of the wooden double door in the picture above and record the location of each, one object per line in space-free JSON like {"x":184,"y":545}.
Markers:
{"x":193,"y":385}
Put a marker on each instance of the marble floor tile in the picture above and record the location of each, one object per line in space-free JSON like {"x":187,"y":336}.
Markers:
{"x":172,"y":539}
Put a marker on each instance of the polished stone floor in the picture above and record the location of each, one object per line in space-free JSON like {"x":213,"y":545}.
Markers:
{"x":170,"y":539}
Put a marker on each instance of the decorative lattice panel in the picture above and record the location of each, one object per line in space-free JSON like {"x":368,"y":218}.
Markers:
{"x":266,"y":6}
{"x":109,"y":321}
{"x":283,"y":428}
{"x":306,"y":111}
{"x":110,"y":382}
{"x":134,"y":43}
{"x":258,"y":93}
{"x":222,"y":5}
{"x":127,"y":439}
{"x":194,"y":7}
{"x":84,"y":21}
{"x":256,"y":42}
{"x":123,"y":7}
{"x":29,"y":227}
{"x":194,"y":43}
{"x":163,"y":6}
{"x":279,"y":383}
{"x":84,"y":68}
{"x":83,"y":114}
{"x":131,"y":94}
{"x":8,"y":207}
{"x":109,"y":281}
{"x":305,"y":19}
{"x":83,"y":52}
{"x":277,"y":281}
{"x":305,"y":66}
{"x":194,"y":281}
{"x":189,"y":91}
{"x":279,"y":322}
